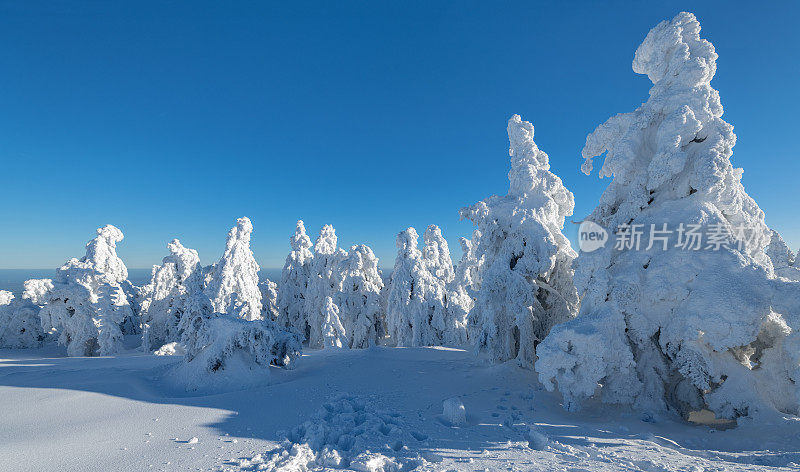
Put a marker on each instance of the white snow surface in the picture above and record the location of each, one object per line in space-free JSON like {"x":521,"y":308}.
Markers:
{"x":373,"y":407}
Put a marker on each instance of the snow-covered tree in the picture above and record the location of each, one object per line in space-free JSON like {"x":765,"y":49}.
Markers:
{"x":784,"y":261}
{"x":465,"y":283}
{"x":436,"y":254}
{"x":359,"y":299}
{"x":218,"y":342}
{"x":87,"y":305}
{"x":676,"y":324}
{"x":269,"y":300}
{"x":166,"y":298}
{"x":325,"y":281}
{"x":236,"y":273}
{"x":333,"y":334}
{"x":19,"y":322}
{"x":417,"y":312}
{"x":226,"y":343}
{"x":525,"y":273}
{"x":294,"y":282}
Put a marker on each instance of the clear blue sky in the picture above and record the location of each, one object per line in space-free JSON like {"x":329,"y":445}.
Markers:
{"x":170,"y":119}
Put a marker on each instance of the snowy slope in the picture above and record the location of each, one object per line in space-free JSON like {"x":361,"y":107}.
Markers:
{"x":118,"y":414}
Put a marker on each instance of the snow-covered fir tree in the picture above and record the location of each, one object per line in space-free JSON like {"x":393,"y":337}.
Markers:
{"x":417,"y":313}
{"x":19,"y":322}
{"x":359,"y":301}
{"x":677,"y":324}
{"x":226,"y":343}
{"x":325,"y":281}
{"x":86,"y":304}
{"x":166,"y":298}
{"x":784,"y":261}
{"x":436,"y":254}
{"x":236,"y":273}
{"x":333,"y":334}
{"x":294,"y":282}
{"x":269,"y":300}
{"x":525,"y":273}
{"x":460,"y":295}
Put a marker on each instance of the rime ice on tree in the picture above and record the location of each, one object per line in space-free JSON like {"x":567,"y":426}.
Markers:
{"x":19,"y":322}
{"x":359,"y":299}
{"x":168,"y":296}
{"x":294,"y":282}
{"x":524,"y":282}
{"x":86,"y":304}
{"x":417,"y":305}
{"x":676,"y":328}
{"x":236,"y":273}
{"x":325,"y":281}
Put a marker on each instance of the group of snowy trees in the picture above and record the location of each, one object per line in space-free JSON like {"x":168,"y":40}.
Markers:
{"x":659,"y":328}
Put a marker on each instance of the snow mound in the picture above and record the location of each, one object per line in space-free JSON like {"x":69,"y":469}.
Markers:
{"x":454,"y":412}
{"x":170,"y":349}
{"x":345,"y":434}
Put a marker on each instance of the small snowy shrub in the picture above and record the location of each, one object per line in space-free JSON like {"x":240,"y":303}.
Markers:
{"x":86,"y":305}
{"x":19,"y":322}
{"x":232,"y":283}
{"x":666,"y":327}
{"x":294,"y":282}
{"x":359,"y":298}
{"x":217,"y":342}
{"x":524,"y":279}
{"x":166,"y":298}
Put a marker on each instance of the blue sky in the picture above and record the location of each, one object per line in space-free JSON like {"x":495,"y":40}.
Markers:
{"x":171,"y":119}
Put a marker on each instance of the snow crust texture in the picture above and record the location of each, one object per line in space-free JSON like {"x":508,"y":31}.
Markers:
{"x":519,"y":263}
{"x":677,"y":329}
{"x":346,"y":433}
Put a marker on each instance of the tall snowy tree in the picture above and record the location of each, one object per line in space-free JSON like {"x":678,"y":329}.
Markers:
{"x":417,"y":311}
{"x":87,"y":305}
{"x":461,"y":290}
{"x":676,"y":324}
{"x":436,"y":254}
{"x":294,"y":282}
{"x":325,"y":281}
{"x":269,"y":299}
{"x":359,"y":299}
{"x":526,"y":273}
{"x":236,"y":273}
{"x":168,"y":296}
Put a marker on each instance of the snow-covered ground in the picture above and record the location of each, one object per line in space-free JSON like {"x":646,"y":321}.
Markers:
{"x":120,"y":414}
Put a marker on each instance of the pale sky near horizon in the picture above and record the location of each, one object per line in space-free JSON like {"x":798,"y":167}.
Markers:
{"x":172,"y":119}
